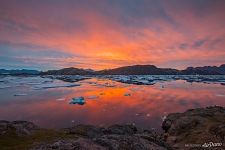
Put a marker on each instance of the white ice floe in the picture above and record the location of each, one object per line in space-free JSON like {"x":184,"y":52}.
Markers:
{"x":137,"y":114}
{"x":152,"y":79}
{"x":56,"y":85}
{"x":20,"y":94}
{"x":4,"y":86}
{"x":67,"y":78}
{"x":34,"y":83}
{"x":77,"y":100}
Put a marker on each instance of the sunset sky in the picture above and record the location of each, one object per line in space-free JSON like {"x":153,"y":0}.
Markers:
{"x":99,"y":34}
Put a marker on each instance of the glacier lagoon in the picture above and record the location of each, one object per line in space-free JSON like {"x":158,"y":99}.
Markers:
{"x":141,"y":100}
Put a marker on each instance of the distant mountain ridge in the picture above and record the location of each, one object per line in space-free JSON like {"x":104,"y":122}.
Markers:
{"x":139,"y":70}
{"x":142,"y":70}
{"x":69,"y":71}
{"x":206,"y":70}
{"x":153,"y":70}
{"x":127,"y":70}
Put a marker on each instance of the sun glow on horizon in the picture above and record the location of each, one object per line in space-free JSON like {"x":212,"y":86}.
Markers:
{"x":105,"y":34}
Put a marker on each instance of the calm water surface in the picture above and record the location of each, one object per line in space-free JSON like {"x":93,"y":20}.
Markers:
{"x":23,"y":99}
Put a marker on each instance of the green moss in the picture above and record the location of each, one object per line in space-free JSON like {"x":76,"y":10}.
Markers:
{"x":11,"y":141}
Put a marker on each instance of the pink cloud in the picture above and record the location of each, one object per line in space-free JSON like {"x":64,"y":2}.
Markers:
{"x":102,"y":39}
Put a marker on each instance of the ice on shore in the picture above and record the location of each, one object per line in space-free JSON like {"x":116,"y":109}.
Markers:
{"x":77,"y":100}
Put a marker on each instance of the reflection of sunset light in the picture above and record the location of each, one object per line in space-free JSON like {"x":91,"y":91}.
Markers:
{"x":145,"y":105}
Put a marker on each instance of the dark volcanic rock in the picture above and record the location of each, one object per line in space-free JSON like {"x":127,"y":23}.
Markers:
{"x":202,"y":128}
{"x":128,"y":142}
{"x":121,"y":129}
{"x":115,"y":137}
{"x":19,"y":127}
{"x":78,"y":144}
{"x":85,"y":130}
{"x":195,"y":126}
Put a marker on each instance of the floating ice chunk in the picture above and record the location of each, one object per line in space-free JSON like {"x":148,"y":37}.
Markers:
{"x":92,"y":97}
{"x":127,"y":94}
{"x":78,"y":100}
{"x":143,"y":81}
{"x":4,"y":87}
{"x":60,"y":99}
{"x":20,"y":94}
{"x":32,"y":83}
{"x":56,"y":85}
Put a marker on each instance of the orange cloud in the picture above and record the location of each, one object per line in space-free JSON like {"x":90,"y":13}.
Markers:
{"x":105,"y":36}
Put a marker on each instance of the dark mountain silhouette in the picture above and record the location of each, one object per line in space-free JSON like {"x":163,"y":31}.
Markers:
{"x":69,"y":71}
{"x":153,"y":70}
{"x":206,"y":70}
{"x":126,"y":70}
{"x":139,"y":70}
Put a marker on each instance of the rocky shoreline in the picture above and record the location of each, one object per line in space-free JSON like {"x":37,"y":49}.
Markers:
{"x":202,"y":128}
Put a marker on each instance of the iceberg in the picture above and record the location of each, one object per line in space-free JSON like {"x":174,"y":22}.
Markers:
{"x":4,"y":87}
{"x":78,"y":100}
{"x":55,"y":85}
